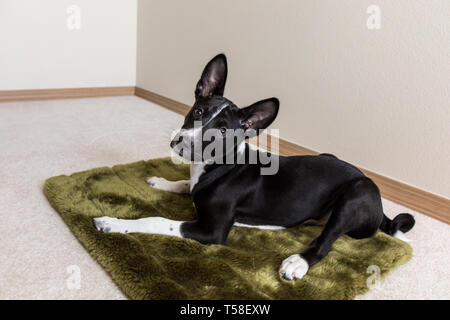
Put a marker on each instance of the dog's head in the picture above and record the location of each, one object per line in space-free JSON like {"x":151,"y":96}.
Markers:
{"x":215,"y":119}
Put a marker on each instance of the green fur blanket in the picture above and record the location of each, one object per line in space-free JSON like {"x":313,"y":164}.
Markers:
{"x":149,"y":266}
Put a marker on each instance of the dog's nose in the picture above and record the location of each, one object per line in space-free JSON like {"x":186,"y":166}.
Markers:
{"x":173,"y":143}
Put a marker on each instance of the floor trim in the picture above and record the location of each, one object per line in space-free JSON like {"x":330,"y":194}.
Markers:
{"x":167,"y":103}
{"x":422,"y":201}
{"x":70,"y":93}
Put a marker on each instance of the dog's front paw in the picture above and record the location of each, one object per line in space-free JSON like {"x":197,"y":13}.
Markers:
{"x":293,"y":267}
{"x":181,"y":186}
{"x":157,"y":182}
{"x":108,"y":224}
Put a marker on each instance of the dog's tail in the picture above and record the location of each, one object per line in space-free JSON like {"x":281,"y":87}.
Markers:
{"x":403,"y":222}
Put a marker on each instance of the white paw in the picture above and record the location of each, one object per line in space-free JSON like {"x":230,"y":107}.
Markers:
{"x":181,"y":186}
{"x":293,"y":267}
{"x":108,"y":224}
{"x":157,"y":182}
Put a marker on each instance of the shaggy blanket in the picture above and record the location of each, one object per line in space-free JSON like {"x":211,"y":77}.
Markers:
{"x":147,"y":266}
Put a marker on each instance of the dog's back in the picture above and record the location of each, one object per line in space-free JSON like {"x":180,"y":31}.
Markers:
{"x":304,"y":187}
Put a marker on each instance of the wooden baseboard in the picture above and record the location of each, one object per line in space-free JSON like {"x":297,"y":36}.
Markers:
{"x":419,"y":200}
{"x":71,"y":93}
{"x":167,"y":103}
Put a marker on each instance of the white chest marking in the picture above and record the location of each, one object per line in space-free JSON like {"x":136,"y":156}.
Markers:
{"x":197,"y":169}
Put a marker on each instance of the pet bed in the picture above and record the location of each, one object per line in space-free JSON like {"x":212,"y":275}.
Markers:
{"x":146,"y":266}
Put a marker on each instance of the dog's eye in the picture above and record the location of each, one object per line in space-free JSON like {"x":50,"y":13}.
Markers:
{"x":223,"y":130}
{"x":198,"y":112}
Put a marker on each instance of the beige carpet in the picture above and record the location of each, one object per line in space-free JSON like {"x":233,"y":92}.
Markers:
{"x":47,"y":138}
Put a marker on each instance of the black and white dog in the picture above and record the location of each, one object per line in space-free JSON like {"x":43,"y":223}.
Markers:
{"x":303,"y":188}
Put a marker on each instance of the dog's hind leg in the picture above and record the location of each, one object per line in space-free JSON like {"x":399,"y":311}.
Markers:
{"x":181,"y":186}
{"x":358,"y":213}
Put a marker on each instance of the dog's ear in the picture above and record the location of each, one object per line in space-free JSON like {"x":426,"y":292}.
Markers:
{"x":213,"y":78}
{"x":260,"y":115}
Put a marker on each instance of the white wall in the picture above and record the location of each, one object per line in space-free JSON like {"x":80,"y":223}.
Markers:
{"x":377,"y":98}
{"x":37,"y":49}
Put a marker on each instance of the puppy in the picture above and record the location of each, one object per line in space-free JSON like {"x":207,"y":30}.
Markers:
{"x":227,"y":193}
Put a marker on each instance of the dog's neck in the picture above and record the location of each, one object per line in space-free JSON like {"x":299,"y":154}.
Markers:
{"x":197,"y":169}
{"x":200,"y":168}
{"x":205,"y":173}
